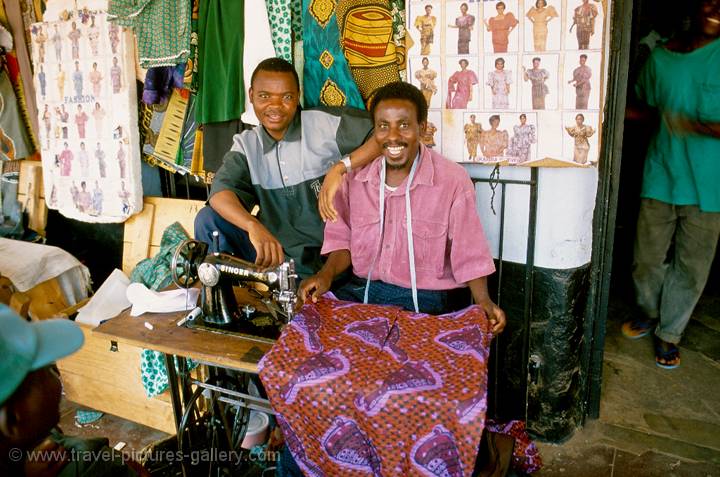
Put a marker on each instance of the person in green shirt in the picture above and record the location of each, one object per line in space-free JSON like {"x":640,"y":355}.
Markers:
{"x":680,"y":84}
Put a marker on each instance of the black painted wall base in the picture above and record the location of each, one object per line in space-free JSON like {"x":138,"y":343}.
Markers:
{"x":542,"y":384}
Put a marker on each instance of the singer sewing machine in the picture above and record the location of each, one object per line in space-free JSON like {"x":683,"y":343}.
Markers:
{"x":267,"y":301}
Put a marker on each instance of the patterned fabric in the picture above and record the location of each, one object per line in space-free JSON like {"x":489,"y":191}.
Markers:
{"x":155,"y":274}
{"x":280,"y":14}
{"x":367,"y":38}
{"x":162,"y":28}
{"x":368,"y":388}
{"x":526,"y":456}
{"x":326,"y":81}
{"x":397,"y":11}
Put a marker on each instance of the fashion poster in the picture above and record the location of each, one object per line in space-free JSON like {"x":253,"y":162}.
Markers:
{"x":511,"y":82}
{"x":85,"y":83}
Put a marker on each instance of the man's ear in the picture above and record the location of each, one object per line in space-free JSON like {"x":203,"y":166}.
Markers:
{"x":423,"y":126}
{"x":8,"y":422}
{"x":250,"y":94}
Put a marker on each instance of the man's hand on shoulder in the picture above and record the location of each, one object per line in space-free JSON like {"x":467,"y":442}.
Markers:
{"x":495,"y":315}
{"x":314,"y":287}
{"x":333,"y":180}
{"x":269,"y":251}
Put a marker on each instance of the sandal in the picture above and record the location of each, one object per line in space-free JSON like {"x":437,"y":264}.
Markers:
{"x":637,"y":328}
{"x":667,"y":355}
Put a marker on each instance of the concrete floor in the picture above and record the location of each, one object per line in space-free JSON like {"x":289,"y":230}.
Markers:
{"x":653,"y":422}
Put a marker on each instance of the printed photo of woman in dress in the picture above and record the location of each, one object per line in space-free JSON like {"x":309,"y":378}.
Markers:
{"x":522,"y":141}
{"x":494,"y":141}
{"x":500,"y":26}
{"x":580,"y":132}
{"x":499,"y":80}
{"x":464,"y":25}
{"x":540,"y":15}
{"x":460,"y":87}
{"x":425,"y":79}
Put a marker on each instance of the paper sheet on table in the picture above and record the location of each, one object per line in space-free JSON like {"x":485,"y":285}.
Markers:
{"x":145,"y":300}
{"x":108,"y":301}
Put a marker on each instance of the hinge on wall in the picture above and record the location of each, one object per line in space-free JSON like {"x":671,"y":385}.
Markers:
{"x":113,"y":346}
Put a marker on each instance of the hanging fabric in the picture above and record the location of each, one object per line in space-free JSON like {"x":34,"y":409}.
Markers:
{"x":162,"y":28}
{"x":19,"y":69}
{"x":221,"y":88}
{"x":327,"y":80}
{"x":367,"y":38}
{"x":280,"y":16}
{"x":14,"y":140}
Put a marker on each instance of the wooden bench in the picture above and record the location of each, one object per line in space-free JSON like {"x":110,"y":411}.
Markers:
{"x":108,"y":379}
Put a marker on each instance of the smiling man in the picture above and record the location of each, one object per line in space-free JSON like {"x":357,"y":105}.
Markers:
{"x":407,"y":222}
{"x":280,"y":167}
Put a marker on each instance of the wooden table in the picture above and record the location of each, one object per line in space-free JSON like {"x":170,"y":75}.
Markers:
{"x":215,"y":349}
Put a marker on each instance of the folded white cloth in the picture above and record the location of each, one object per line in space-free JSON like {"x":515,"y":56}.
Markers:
{"x":29,"y":264}
{"x":108,"y":301}
{"x":145,"y":300}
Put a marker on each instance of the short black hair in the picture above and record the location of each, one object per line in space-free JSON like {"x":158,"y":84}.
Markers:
{"x":537,"y":58}
{"x":583,"y":56}
{"x":500,"y":3}
{"x":494,"y":117}
{"x":400,"y":90}
{"x":277,"y":65}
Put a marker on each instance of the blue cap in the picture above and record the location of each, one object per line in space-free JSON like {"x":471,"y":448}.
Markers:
{"x":26,"y":346}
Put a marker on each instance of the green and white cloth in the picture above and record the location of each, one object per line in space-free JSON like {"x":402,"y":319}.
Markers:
{"x":286,"y":24}
{"x":162,"y":28}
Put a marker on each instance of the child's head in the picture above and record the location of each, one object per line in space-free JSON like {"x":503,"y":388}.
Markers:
{"x":30,"y":387}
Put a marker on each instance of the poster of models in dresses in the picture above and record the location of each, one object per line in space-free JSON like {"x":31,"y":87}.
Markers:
{"x":512,"y":82}
{"x":85,"y":83}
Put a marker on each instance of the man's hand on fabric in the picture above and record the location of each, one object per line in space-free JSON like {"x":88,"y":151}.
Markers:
{"x":480,"y":294}
{"x":495,"y":315}
{"x":48,"y":460}
{"x":314,"y":287}
{"x":331,"y":183}
{"x":269,"y":251}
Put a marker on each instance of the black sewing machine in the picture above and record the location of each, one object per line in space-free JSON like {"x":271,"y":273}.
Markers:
{"x":262,"y":313}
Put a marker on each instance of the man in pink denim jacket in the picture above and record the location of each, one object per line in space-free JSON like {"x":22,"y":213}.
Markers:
{"x":417,"y":240}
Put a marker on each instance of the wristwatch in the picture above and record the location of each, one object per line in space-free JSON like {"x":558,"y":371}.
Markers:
{"x":346,"y":162}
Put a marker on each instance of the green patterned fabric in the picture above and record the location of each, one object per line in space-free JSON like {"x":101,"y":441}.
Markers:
{"x":297,"y":25}
{"x":162,"y":28}
{"x":155,"y":274}
{"x":397,"y":10}
{"x":280,"y":15}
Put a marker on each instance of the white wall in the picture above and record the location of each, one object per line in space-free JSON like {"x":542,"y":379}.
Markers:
{"x":566,"y":199}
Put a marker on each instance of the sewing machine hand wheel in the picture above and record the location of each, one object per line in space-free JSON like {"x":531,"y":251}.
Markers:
{"x":186,"y":259}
